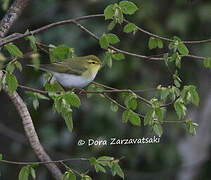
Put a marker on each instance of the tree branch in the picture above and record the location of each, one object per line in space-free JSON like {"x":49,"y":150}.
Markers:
{"x":12,"y":14}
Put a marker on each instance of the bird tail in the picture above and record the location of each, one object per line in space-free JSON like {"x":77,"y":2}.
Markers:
{"x":41,"y":67}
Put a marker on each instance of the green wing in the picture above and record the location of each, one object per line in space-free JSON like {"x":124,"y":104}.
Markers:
{"x":70,"y":67}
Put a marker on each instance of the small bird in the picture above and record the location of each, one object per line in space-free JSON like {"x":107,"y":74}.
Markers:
{"x":76,"y":72}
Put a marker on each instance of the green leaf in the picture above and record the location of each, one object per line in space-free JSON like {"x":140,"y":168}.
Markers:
{"x":157,"y":128}
{"x":104,"y":41}
{"x":194,"y":95}
{"x":35,"y":103}
{"x":53,"y":87}
{"x":109,"y":12}
{"x":189,"y":94}
{"x":24,"y":173}
{"x":86,"y":177}
{"x":72,"y":99}
{"x":152,"y":43}
{"x":105,"y":160}
{"x":114,"y":107}
{"x":134,"y":119}
{"x":166,"y":58}
{"x":164,"y":92}
{"x":18,"y":65}
{"x":131,"y":102}
{"x":112,"y":38}
{"x":69,"y":175}
{"x":1,"y":156}
{"x":32,"y":41}
{"x":130,"y":28}
{"x":207,"y":62}
{"x":116,"y":169}
{"x":108,"y":59}
{"x":67,"y":115}
{"x":180,"y":108}
{"x":60,"y":53}
{"x":118,"y":56}
{"x":191,"y":127}
{"x":32,"y":172}
{"x":98,"y":168}
{"x":149,"y":117}
{"x":160,"y":43}
{"x":125,"y":116}
{"x":128,"y":7}
{"x":11,"y":82}
{"x":13,"y":50}
{"x":10,"y":67}
{"x":111,"y":25}
{"x":159,"y":113}
{"x":183,"y":49}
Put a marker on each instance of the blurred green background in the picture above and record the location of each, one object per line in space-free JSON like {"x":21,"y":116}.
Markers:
{"x":178,"y":155}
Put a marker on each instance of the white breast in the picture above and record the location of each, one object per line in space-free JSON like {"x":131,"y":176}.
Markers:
{"x":72,"y":81}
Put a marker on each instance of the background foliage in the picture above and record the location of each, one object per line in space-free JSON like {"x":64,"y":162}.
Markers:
{"x":190,"y":20}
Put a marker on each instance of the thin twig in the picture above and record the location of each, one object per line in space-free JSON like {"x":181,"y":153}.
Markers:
{"x":43,"y":162}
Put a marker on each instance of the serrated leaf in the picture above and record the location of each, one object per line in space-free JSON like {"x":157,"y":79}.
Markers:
{"x":72,"y":99}
{"x":118,"y":56}
{"x":152,"y":43}
{"x":35,"y":103}
{"x":60,"y":53}
{"x":131,"y":102}
{"x":116,"y":169}
{"x":180,"y":108}
{"x":160,"y":43}
{"x":109,"y":12}
{"x":32,"y":41}
{"x":112,"y":38}
{"x":104,"y":41}
{"x":10,"y":67}
{"x":108,"y":59}
{"x":149,"y":117}
{"x":11,"y":82}
{"x":157,"y":128}
{"x":125,"y":116}
{"x":67,"y":115}
{"x":159,"y":113}
{"x":24,"y":173}
{"x":32,"y":172}
{"x":183,"y":49}
{"x":191,"y":127}
{"x":130,"y":28}
{"x":53,"y":87}
{"x":18,"y":65}
{"x":207,"y":62}
{"x":13,"y":50}
{"x":194,"y":96}
{"x":134,"y":119}
{"x":128,"y":7}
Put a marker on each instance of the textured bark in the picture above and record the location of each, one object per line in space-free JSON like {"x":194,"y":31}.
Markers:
{"x":12,"y":14}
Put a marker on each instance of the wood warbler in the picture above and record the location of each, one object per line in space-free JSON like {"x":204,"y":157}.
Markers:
{"x":76,"y":72}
